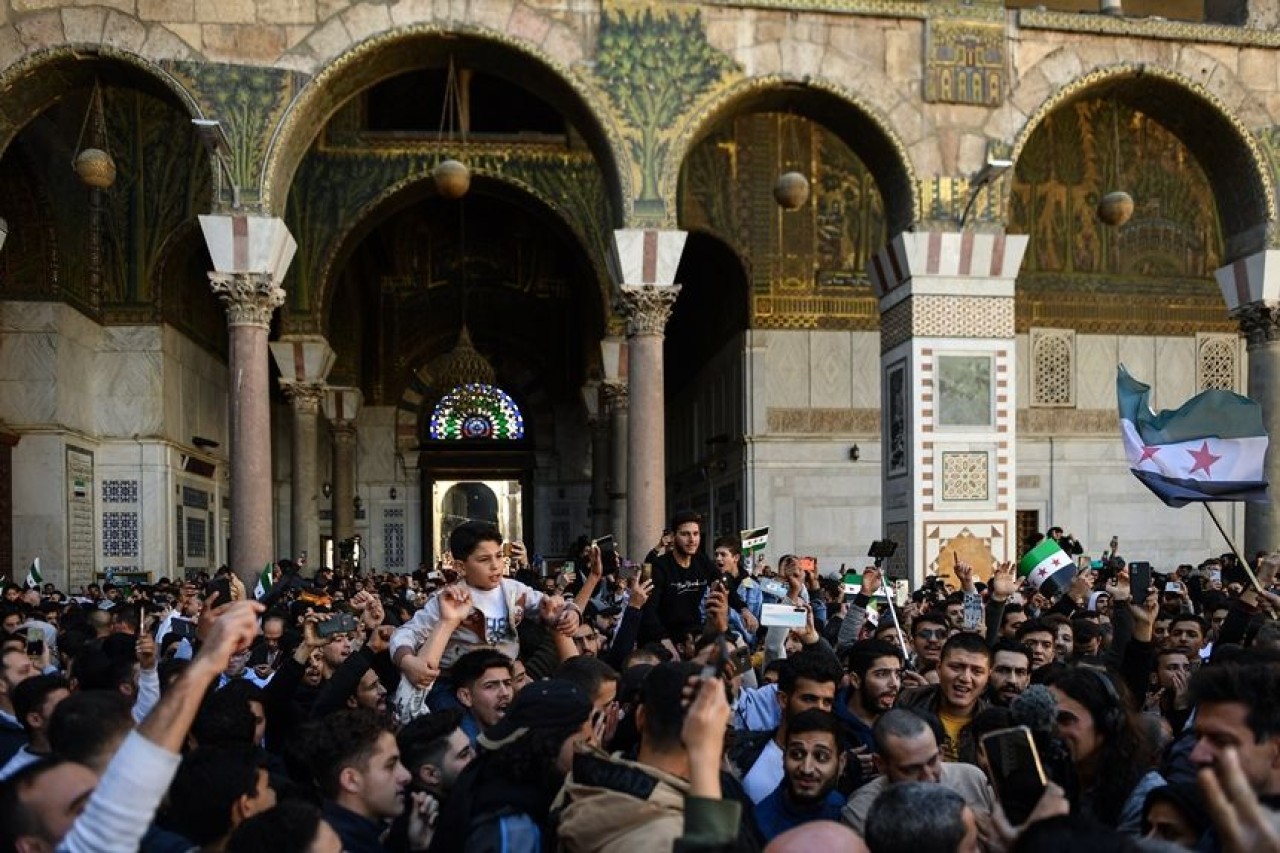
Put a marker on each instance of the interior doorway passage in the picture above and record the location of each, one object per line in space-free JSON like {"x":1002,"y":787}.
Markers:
{"x":499,"y":502}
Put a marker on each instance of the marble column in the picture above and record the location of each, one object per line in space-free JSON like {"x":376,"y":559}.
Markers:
{"x":304,"y":362}
{"x":250,"y":256}
{"x":644,"y":264}
{"x":341,"y":406}
{"x":250,"y":299}
{"x":1251,"y":289}
{"x":949,"y":411}
{"x":598,"y":423}
{"x":615,"y":407}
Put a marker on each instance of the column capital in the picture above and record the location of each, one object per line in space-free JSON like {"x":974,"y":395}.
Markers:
{"x":615,"y":396}
{"x":1259,"y":321}
{"x":250,"y":297}
{"x":305,"y":359}
{"x":646,"y":256}
{"x":342,"y":404}
{"x":305,"y":397}
{"x":647,"y":307}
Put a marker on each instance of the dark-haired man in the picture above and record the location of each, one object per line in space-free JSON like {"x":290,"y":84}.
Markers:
{"x":1010,"y":672}
{"x":15,"y":668}
{"x":33,"y":703}
{"x":355,"y":761}
{"x":436,"y":750}
{"x":482,"y":685}
{"x":874,"y":669}
{"x":215,"y":790}
{"x":958,"y":696}
{"x":928,"y":632}
{"x":680,"y":582}
{"x":813,"y":763}
{"x":808,"y":680}
{"x":1039,"y":640}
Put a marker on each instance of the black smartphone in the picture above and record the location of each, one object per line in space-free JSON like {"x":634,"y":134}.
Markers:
{"x":1016,"y":771}
{"x":608,"y":553}
{"x":221,"y":588}
{"x":1139,"y":580}
{"x":882,"y":549}
{"x":338,"y":623}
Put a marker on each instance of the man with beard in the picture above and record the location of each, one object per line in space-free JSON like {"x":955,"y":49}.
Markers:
{"x":808,"y":680}
{"x":812,"y":763}
{"x":1038,"y":638}
{"x":958,"y":696}
{"x":874,"y":670}
{"x":482,"y":680}
{"x":1010,"y":672}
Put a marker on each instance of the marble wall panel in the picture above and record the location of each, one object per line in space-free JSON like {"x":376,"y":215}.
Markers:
{"x":787,"y":369}
{"x":1096,"y":360}
{"x":1175,"y":379}
{"x":864,"y":370}
{"x":830,"y":365}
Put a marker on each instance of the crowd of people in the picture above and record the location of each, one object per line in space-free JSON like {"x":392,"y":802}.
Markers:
{"x":480,"y":705}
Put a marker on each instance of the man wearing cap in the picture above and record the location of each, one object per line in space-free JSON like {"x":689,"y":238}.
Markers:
{"x":502,"y":800}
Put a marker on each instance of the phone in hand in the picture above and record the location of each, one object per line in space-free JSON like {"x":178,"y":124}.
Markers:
{"x":338,"y":623}
{"x":741,"y":660}
{"x":1139,"y":580}
{"x":608,"y":553}
{"x":1016,"y":772}
{"x":221,"y":588}
{"x":35,"y":642}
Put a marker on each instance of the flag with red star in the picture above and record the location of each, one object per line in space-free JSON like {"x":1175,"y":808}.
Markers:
{"x":1211,"y":448}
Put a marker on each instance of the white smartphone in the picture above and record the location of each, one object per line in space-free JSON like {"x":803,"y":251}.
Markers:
{"x":782,"y":616}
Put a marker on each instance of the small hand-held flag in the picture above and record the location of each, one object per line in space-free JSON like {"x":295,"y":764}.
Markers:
{"x":34,"y":578}
{"x":263,"y":586}
{"x":1047,"y":568}
{"x":1211,"y":448}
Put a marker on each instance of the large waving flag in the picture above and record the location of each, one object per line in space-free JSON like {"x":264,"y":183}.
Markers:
{"x":1211,"y":448}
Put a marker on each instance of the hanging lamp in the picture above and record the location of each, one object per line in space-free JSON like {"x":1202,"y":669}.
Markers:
{"x":95,"y":165}
{"x":452,"y":177}
{"x":791,"y":190}
{"x":1116,"y":207}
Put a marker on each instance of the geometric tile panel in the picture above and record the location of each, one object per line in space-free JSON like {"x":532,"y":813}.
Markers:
{"x":119,"y":491}
{"x":120,"y":534}
{"x":965,"y":476}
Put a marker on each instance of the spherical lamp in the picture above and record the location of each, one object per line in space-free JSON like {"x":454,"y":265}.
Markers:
{"x":452,"y":179}
{"x":96,"y":168}
{"x":791,"y":191}
{"x":1115,"y":208}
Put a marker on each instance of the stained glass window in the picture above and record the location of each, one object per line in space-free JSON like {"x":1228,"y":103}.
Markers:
{"x":476,"y":411}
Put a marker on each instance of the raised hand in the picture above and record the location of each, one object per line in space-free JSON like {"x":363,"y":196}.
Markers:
{"x":455,"y":604}
{"x":1244,"y":825}
{"x":1004,"y":581}
{"x":964,"y":574}
{"x":641,"y":589}
{"x":871,"y":581}
{"x":717,"y":607}
{"x":1118,"y":587}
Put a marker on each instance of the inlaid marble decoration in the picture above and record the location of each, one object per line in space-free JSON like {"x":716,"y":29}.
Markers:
{"x":965,"y":476}
{"x":964,"y":391}
{"x":120,"y":534}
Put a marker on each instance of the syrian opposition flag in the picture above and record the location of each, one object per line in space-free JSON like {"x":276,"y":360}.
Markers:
{"x":753,"y":544}
{"x":1211,"y":448}
{"x":263,"y":586}
{"x":1047,"y":568}
{"x":34,"y":578}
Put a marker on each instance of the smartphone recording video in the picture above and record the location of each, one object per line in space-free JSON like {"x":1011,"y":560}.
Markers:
{"x":1016,"y":771}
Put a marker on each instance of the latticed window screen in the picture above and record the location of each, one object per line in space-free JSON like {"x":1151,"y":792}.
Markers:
{"x":1053,"y":367}
{"x":1217,"y":362}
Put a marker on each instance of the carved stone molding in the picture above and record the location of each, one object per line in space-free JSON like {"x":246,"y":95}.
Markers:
{"x":1260,"y":322}
{"x":250,"y":297}
{"x":615,"y":396}
{"x":305,"y":397}
{"x":647,"y":307}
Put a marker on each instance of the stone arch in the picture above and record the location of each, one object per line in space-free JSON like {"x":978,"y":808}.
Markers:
{"x":38,"y":79}
{"x":1229,"y":154}
{"x":384,"y":55}
{"x":392,"y":198}
{"x":838,"y":109}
